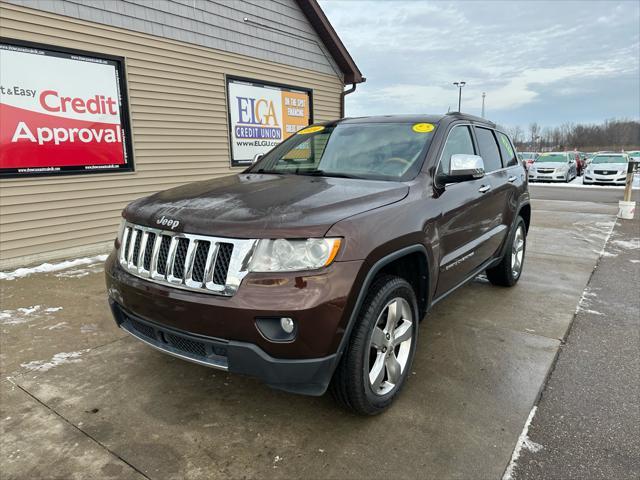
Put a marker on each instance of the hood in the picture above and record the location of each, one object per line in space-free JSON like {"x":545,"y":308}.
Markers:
{"x":263,"y":206}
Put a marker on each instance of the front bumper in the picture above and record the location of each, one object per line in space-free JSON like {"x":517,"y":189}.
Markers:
{"x":221,"y":332}
{"x":547,"y":177}
{"x":618,"y":179}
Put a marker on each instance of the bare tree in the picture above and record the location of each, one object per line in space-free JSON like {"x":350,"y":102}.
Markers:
{"x":534,"y":133}
{"x":614,"y":134}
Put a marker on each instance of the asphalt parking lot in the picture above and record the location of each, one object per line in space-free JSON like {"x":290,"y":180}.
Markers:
{"x":81,"y":399}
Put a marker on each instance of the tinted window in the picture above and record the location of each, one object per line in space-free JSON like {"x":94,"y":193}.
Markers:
{"x":506,"y":149}
{"x":459,"y":141}
{"x":488,"y":149}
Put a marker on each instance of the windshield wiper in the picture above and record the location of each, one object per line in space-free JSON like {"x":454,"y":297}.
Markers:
{"x":323,"y":173}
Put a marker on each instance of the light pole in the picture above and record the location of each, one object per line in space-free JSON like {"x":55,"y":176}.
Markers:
{"x":483,"y":95}
{"x":459,"y":85}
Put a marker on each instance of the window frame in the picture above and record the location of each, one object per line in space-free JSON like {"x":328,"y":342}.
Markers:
{"x":515,"y":152}
{"x":495,"y":139}
{"x":444,"y":144}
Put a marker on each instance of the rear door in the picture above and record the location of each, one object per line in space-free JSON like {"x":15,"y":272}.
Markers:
{"x":496,"y":199}
{"x":464,"y":215}
{"x":513,"y":178}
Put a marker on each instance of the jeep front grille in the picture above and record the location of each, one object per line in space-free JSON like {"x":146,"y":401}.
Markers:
{"x":192,"y":262}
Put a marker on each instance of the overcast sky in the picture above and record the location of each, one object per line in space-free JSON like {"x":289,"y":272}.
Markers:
{"x":550,"y":62}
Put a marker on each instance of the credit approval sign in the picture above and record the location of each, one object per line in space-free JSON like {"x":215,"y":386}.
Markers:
{"x":261,"y":115}
{"x":61,"y":112}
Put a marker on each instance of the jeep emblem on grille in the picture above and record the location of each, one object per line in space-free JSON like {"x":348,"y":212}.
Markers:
{"x":172,"y":224}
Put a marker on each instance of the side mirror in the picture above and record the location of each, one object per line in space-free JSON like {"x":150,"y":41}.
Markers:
{"x":257,"y":157}
{"x":464,"y":167}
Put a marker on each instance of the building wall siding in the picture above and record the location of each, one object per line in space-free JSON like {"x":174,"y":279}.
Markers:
{"x":179,"y":122}
{"x":276,"y":31}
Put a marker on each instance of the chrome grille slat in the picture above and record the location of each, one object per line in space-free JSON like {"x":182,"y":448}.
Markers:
{"x":132,"y":242}
{"x":141,"y":249}
{"x":200,"y":263}
{"x":188,"y":262}
{"x":125,"y":244}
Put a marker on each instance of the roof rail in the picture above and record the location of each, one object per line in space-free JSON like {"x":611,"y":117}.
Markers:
{"x":466,"y":116}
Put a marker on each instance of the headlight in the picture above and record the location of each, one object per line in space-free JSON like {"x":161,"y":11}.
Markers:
{"x":293,"y":255}
{"x":562,"y":169}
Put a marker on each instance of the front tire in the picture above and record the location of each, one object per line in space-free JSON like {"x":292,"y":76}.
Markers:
{"x":381,"y":348}
{"x":508,"y":271}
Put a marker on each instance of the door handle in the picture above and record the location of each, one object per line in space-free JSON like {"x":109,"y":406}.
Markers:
{"x":512,"y":179}
{"x":484,"y":188}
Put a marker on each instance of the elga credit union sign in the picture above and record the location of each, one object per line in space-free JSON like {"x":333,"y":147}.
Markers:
{"x":261,"y":115}
{"x":61,"y":112}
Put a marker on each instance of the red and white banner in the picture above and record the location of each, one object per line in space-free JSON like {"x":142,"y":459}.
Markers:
{"x":60,"y":113}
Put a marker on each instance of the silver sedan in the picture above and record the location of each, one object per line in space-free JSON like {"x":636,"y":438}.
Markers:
{"x":607,"y":169}
{"x":553,"y":167}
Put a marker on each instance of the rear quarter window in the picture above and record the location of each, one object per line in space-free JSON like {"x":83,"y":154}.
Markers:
{"x":488,"y":149}
{"x":509,"y":158}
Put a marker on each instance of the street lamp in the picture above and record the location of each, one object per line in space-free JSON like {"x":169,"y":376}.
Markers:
{"x":483,"y":95}
{"x":459,"y":85}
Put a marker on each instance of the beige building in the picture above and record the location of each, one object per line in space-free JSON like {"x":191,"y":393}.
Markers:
{"x":202,"y":85}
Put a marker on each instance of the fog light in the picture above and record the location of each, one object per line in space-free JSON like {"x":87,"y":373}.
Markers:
{"x":277,"y":329}
{"x":287,"y":324}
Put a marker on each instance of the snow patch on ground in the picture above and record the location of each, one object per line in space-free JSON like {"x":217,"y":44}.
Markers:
{"x":585,"y":303}
{"x":57,"y":359}
{"x":25,"y":314}
{"x":632,"y":244}
{"x":51,"y":267}
{"x":523,"y":442}
{"x":19,"y":315}
{"x":57,"y":326}
{"x":81,"y":272}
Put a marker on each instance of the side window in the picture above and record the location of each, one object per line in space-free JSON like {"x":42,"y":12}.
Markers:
{"x":509,"y":158}
{"x":459,"y":141}
{"x":488,"y":149}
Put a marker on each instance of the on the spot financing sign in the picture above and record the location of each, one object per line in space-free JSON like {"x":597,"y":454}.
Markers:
{"x":263,"y":115}
{"x":61,"y":112}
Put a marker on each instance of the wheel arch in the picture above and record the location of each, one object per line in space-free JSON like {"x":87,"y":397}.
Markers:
{"x":525,"y":212}
{"x":392,"y":263}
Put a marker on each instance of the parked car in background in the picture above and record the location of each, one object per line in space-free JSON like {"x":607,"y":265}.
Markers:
{"x":634,"y":155}
{"x":607,"y":169}
{"x":554,"y":167}
{"x":528,"y":158}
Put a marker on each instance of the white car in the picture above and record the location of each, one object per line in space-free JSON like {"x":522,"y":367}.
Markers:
{"x":554,"y":167}
{"x":607,"y":169}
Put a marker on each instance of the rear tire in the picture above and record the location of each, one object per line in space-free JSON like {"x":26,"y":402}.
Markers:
{"x":508,"y":271}
{"x":378,"y":358}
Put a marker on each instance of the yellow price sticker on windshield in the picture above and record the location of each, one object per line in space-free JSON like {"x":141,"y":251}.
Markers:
{"x":305,"y":131}
{"x":423,"y":127}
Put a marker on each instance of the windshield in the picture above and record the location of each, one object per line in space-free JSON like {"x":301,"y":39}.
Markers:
{"x":552,"y":158}
{"x":609,"y":159}
{"x":381,"y":151}
{"x":528,"y":156}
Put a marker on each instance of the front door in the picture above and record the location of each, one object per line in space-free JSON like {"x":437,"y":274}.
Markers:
{"x":465,"y":216}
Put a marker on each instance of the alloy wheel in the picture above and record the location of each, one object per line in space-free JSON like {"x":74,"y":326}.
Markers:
{"x":390,"y":346}
{"x":517,"y":252}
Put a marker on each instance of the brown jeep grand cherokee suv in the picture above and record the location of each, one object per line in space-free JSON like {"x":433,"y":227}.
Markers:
{"x":311,"y":269}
